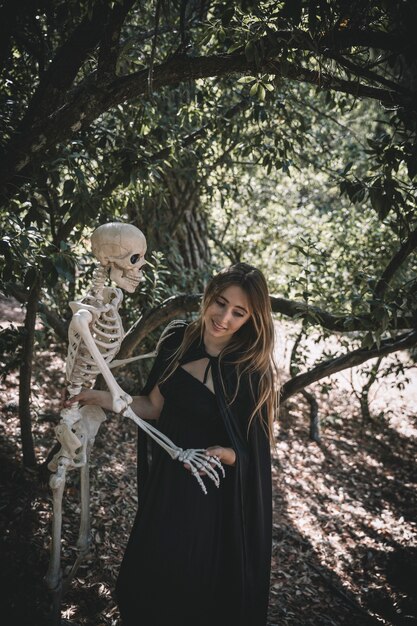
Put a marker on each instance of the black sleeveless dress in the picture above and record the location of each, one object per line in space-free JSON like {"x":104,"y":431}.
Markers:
{"x":178,"y":568}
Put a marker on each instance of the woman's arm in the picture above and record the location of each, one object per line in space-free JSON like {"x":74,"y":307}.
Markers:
{"x":147,"y":407}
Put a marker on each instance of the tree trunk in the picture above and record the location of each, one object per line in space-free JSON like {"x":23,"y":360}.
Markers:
{"x":314,"y":431}
{"x":175,"y":223}
{"x":25,"y":378}
{"x":364,"y":393}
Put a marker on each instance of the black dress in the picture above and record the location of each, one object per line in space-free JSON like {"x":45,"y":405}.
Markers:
{"x":176,"y":567}
{"x":194,"y":559}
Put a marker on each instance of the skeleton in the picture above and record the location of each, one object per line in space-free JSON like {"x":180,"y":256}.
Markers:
{"x":95,"y":336}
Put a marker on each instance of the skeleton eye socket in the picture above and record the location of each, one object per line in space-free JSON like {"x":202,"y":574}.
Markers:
{"x":134,"y":258}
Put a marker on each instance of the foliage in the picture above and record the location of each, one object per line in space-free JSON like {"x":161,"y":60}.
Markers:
{"x":283,"y":133}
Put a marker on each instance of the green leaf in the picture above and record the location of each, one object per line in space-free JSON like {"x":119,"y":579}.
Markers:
{"x":379,"y":201}
{"x":221,"y":35}
{"x":246,"y":79}
{"x":4,"y":247}
{"x":367,"y":341}
{"x":347,"y":168}
{"x":254,"y":89}
{"x":69,"y":186}
{"x":234,"y":47}
{"x":250,"y":51}
{"x":412,"y":166}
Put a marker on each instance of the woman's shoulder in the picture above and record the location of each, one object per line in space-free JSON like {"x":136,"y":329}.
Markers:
{"x":172,"y":335}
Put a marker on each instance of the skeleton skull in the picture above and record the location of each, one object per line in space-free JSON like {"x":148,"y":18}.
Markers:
{"x":123,"y":247}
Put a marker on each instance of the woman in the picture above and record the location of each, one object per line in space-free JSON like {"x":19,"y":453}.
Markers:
{"x":195,"y":559}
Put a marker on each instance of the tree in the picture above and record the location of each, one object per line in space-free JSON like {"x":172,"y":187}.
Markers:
{"x":117,"y":108}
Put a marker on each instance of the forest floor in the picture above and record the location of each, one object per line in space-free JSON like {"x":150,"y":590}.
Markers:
{"x":345,"y":510}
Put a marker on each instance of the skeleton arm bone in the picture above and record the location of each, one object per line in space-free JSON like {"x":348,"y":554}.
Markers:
{"x":119,"y":362}
{"x":167,"y":333}
{"x":149,"y":407}
{"x":198,"y":461}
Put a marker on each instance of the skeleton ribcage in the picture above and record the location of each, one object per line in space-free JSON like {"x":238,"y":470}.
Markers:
{"x":107,"y":333}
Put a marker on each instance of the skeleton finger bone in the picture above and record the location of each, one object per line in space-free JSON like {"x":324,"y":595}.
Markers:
{"x":213,"y":458}
{"x":199,"y":464}
{"x":205,"y":467}
{"x":196,"y":475}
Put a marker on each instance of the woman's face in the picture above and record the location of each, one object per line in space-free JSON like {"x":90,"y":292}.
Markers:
{"x":227,"y":313}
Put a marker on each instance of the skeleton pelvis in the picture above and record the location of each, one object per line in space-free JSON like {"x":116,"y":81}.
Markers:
{"x":76,"y":439}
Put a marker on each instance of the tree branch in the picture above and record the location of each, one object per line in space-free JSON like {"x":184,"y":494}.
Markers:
{"x":365,"y":72}
{"x":92,"y":98}
{"x":366,"y":38}
{"x":330,"y":321}
{"x":351,"y":359}
{"x":397,"y":260}
{"x":184,"y":304}
{"x":109,"y":45}
{"x":63,"y":69}
{"x":168,"y":310}
{"x":336,"y":39}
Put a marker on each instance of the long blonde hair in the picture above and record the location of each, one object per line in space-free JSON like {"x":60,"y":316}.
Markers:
{"x":253,"y":342}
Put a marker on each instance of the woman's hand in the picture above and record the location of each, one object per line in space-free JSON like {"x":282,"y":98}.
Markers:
{"x":91,"y":396}
{"x":227,"y":456}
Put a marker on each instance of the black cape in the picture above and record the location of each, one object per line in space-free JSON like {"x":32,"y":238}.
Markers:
{"x":252,"y":506}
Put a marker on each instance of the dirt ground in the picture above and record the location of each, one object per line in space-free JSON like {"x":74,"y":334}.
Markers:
{"x":345,"y":510}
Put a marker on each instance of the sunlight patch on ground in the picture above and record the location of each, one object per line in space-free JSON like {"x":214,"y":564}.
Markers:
{"x":399,"y":529}
{"x":404,"y":424}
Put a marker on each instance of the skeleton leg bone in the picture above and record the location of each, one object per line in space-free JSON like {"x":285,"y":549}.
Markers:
{"x":57,"y":483}
{"x":61,"y":462}
{"x":53,"y":577}
{"x":84,"y":538}
{"x":76,"y":443}
{"x":86,"y":430}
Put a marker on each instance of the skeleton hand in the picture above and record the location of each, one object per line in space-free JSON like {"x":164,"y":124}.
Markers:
{"x":198,"y":462}
{"x":104,"y":399}
{"x":207,"y":463}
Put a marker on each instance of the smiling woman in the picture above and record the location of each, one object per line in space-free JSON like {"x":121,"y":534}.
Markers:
{"x":228,"y":312}
{"x":212,"y":386}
